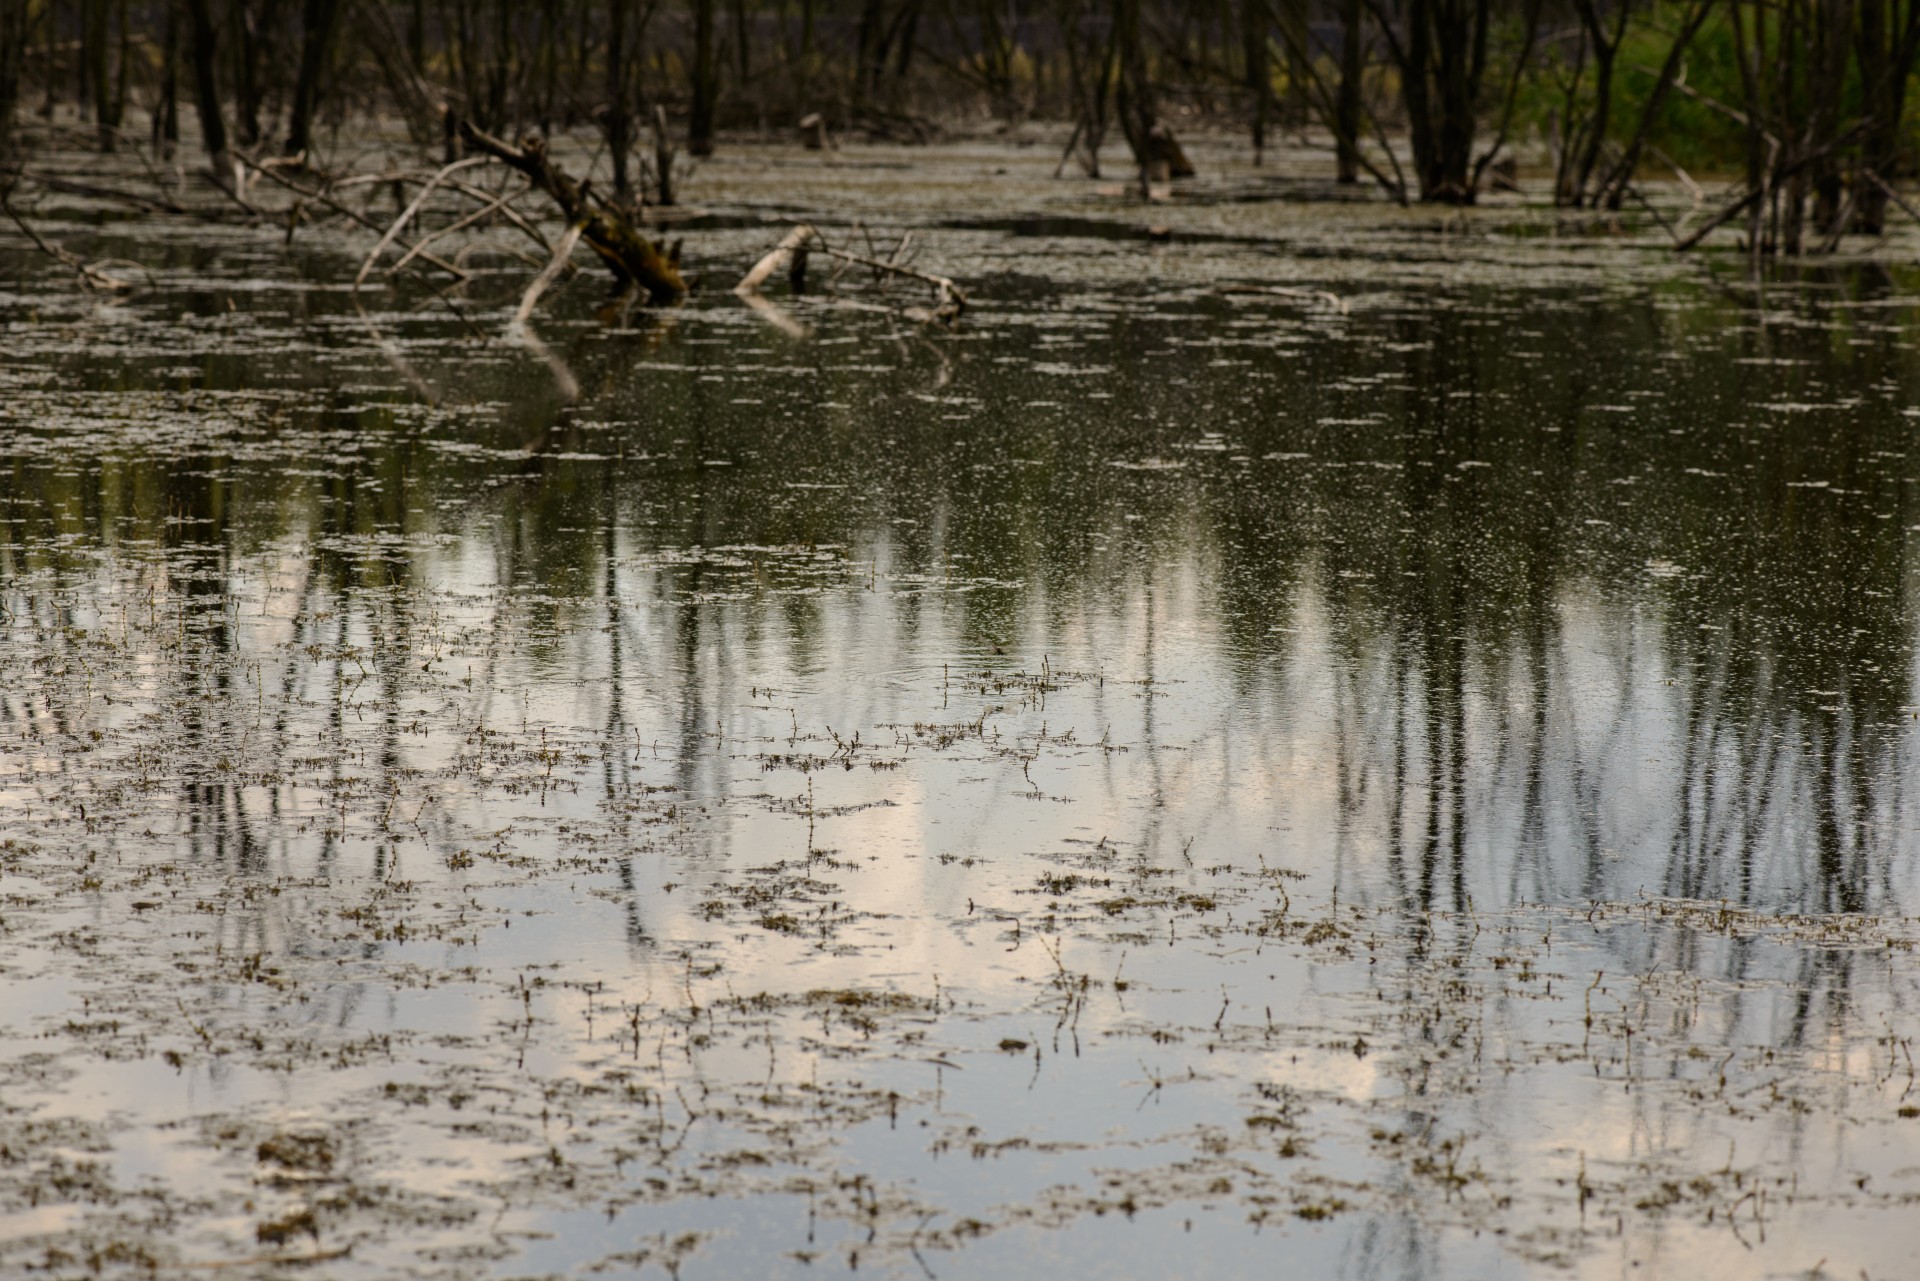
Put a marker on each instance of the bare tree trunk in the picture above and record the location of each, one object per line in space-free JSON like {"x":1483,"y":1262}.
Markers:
{"x":1348,"y":103}
{"x":13,"y":46}
{"x":316,"y":44}
{"x":1888,"y":37}
{"x":96,"y":56}
{"x":706,"y":82}
{"x":206,"y":88}
{"x":1259,"y":73}
{"x":619,"y":117}
{"x":166,"y":115}
{"x":1135,"y":91}
{"x":253,"y":55}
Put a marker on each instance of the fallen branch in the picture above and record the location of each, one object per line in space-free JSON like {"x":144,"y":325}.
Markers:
{"x":1887,"y":190}
{"x":406,"y":215}
{"x":1771,"y":179}
{"x":789,"y":256}
{"x":630,"y":256}
{"x":91,"y":275}
{"x":327,"y":200}
{"x":478,"y":215}
{"x":562,"y":254}
{"x":1726,"y":214}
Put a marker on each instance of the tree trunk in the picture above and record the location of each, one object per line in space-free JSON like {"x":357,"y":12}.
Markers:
{"x":1348,"y":103}
{"x":706,"y":82}
{"x":13,"y":42}
{"x":166,"y":115}
{"x":1259,"y":75}
{"x":206,"y":88}
{"x":316,"y":44}
{"x":1134,"y":97}
{"x":619,"y":118}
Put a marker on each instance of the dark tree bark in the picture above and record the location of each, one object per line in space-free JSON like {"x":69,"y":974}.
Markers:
{"x":103,"y":25}
{"x":1259,"y":72}
{"x":1612,"y":190}
{"x":1134,"y":95}
{"x":1440,"y":50}
{"x":13,"y":47}
{"x":166,"y":115}
{"x":619,"y":112}
{"x":1888,"y":35}
{"x":320,"y":18}
{"x":206,"y":88}
{"x":254,"y":57}
{"x":706,"y":82}
{"x":1347,"y":102}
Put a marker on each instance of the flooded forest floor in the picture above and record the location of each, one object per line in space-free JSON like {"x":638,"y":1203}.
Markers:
{"x":1299,"y":730}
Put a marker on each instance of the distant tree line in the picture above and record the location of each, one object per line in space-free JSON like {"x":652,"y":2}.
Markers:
{"x":1803,"y":99}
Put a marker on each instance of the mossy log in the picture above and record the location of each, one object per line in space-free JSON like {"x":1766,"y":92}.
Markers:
{"x":631,"y":257}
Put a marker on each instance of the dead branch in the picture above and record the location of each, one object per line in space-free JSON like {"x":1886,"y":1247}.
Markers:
{"x":791,"y":253}
{"x":478,"y":215}
{"x":511,"y":214}
{"x":952,"y":300}
{"x":562,"y":254}
{"x":785,"y":256}
{"x":406,"y":215}
{"x":327,"y":200}
{"x":630,"y":256}
{"x":1886,"y":189}
{"x":91,"y":275}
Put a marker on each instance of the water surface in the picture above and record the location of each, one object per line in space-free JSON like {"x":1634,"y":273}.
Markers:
{"x":1156,"y":779}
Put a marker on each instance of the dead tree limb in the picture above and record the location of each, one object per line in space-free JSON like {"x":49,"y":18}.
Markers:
{"x":951,"y":299}
{"x":789,"y":254}
{"x":630,"y":256}
{"x":407,"y":215}
{"x":1887,"y":190}
{"x":481,"y":214}
{"x":327,"y":200}
{"x":562,"y":255}
{"x":91,"y":275}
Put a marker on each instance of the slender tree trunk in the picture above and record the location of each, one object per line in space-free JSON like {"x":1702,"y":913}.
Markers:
{"x":1348,"y":102}
{"x":254,"y":53}
{"x":96,"y":56}
{"x":206,"y":88}
{"x":706,"y":81}
{"x":1134,"y":97}
{"x":316,"y":43}
{"x":742,"y":45}
{"x":13,"y":48}
{"x":166,"y":117}
{"x":619,"y":114}
{"x":1259,"y":74}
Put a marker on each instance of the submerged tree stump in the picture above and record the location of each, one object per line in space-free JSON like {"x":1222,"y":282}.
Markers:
{"x":630,"y":256}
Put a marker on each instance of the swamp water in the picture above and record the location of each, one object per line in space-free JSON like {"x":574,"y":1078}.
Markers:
{"x":1157,"y":781}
